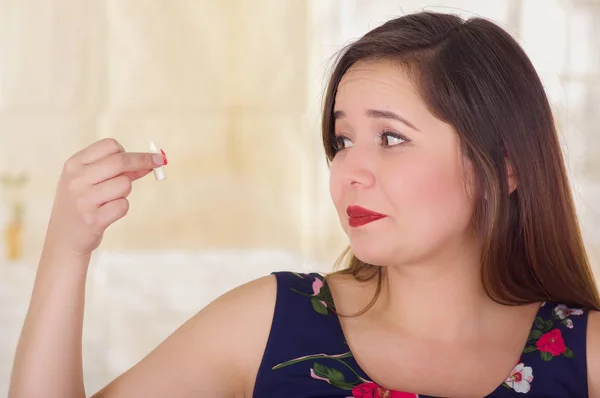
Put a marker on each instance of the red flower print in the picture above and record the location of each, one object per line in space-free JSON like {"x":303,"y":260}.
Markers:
{"x":552,"y":342}
{"x":372,"y":390}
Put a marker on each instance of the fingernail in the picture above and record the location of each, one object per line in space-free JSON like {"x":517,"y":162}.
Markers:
{"x":164,"y":157}
{"x":158,"y":159}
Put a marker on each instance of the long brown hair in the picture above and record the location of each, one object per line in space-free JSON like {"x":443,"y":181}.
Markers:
{"x":475,"y":76}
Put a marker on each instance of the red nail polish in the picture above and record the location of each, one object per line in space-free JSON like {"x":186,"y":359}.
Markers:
{"x":164,"y":157}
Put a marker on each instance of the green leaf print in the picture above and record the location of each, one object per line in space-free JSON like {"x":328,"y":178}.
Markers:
{"x":339,"y":357}
{"x":569,"y":353}
{"x":325,"y":294}
{"x":334,"y":376}
{"x":529,"y":349}
{"x":534,"y":335}
{"x":319,"y":306}
{"x":546,"y":356}
{"x":543,"y":325}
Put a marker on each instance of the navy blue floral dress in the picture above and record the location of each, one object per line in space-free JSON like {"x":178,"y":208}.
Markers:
{"x":307,"y":356}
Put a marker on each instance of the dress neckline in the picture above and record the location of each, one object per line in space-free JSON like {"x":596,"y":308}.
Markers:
{"x":341,"y":330}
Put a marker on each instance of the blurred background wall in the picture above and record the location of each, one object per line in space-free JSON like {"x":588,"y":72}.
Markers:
{"x":231,"y":90}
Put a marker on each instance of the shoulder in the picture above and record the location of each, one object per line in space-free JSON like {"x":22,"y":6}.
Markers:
{"x":249,"y":300}
{"x":593,"y":353}
{"x":239,"y":322}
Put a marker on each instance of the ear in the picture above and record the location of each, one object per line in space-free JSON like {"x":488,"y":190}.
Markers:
{"x":512,"y":179}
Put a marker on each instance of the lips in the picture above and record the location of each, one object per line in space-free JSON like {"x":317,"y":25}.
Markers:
{"x":358,"y":216}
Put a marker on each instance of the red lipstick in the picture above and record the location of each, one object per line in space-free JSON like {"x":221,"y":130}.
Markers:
{"x":358,"y":216}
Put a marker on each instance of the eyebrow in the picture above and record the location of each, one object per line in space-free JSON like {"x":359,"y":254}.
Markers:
{"x":378,"y":114}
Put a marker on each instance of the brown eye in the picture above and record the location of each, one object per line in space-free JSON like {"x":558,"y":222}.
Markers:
{"x":389,"y":139}
{"x":342,"y":142}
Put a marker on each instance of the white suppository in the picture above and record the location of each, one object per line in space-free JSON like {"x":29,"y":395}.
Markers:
{"x":159,"y":172}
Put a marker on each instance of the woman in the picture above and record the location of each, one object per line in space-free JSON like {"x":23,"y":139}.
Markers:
{"x":467,"y":276}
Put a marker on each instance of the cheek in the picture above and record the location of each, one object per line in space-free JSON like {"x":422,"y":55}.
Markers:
{"x":432,"y":192}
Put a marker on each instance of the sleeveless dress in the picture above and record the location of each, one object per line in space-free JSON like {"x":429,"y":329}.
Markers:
{"x":307,"y":356}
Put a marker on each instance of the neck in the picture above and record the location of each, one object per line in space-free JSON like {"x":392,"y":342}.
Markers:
{"x":442,"y":297}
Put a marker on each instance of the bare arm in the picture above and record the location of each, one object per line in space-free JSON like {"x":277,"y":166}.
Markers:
{"x":215,"y":354}
{"x":593,"y":354}
{"x":48,"y":360}
{"x":91,"y":195}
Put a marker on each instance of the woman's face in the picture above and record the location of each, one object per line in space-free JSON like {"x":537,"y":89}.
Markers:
{"x":396,"y":159}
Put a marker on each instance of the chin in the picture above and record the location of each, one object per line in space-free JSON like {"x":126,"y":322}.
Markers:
{"x":374,"y":253}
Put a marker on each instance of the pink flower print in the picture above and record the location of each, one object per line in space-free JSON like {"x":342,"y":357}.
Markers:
{"x":314,"y":376}
{"x":563,"y":311}
{"x":568,"y":323}
{"x":316,"y":286}
{"x":372,"y":390}
{"x":520,"y":378}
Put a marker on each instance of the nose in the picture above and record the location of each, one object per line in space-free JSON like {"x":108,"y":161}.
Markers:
{"x":358,"y":167}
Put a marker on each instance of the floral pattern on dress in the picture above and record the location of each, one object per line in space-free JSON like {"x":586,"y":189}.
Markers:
{"x":372,"y":390}
{"x":563,"y":312}
{"x":320,"y":298}
{"x":547,"y":338}
{"x":322,"y":303}
{"x":360,"y":387}
{"x":544,"y":337}
{"x":520,"y":378}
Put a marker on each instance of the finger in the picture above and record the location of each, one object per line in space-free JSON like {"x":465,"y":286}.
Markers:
{"x":98,"y":150}
{"x":109,"y":190}
{"x":120,"y":163}
{"x":111,"y":211}
{"x":136,"y":175}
